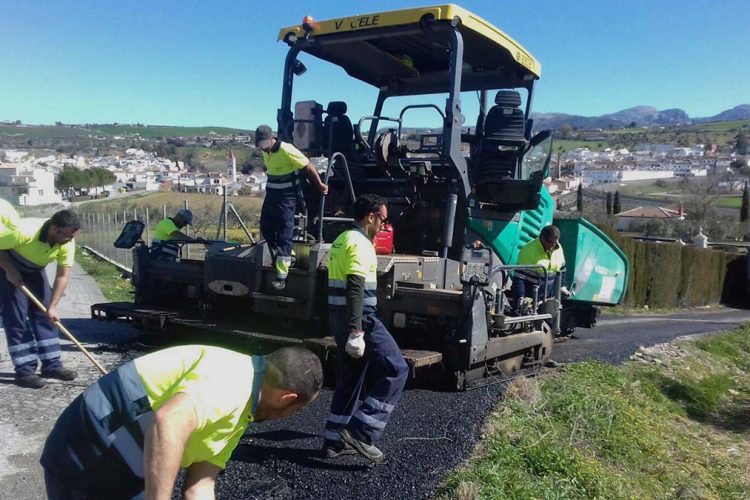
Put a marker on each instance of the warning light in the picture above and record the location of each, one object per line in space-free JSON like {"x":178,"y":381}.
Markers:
{"x":308,"y":24}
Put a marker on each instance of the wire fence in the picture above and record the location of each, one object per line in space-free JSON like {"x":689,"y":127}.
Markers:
{"x":100,"y":229}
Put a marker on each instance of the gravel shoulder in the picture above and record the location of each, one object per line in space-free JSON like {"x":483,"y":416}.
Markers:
{"x":28,"y":414}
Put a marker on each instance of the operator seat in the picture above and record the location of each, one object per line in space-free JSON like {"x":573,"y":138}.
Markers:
{"x":505,"y":121}
{"x":502,"y":141}
{"x":338,"y":133}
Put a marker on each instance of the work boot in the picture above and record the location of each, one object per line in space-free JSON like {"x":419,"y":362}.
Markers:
{"x":32,"y":381}
{"x":60,"y":374}
{"x":278,"y":285}
{"x":333,"y":449}
{"x":369,"y":451}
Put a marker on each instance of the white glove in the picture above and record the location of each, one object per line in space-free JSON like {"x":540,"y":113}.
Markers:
{"x":355,"y":344}
{"x":566,"y":293}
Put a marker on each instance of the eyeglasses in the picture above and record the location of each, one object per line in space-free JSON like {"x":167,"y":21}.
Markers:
{"x":384,"y":221}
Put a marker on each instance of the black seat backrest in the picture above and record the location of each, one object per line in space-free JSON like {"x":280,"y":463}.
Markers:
{"x":130,"y":234}
{"x":505,"y":121}
{"x":338,"y":133}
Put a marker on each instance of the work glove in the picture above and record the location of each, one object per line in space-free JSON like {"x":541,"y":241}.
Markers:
{"x":355,"y":344}
{"x":566,"y":293}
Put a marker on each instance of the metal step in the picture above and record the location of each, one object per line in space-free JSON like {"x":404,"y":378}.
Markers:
{"x":414,"y":357}
{"x":276,"y":298}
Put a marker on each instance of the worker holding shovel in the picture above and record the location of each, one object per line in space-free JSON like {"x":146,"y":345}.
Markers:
{"x":25,"y":251}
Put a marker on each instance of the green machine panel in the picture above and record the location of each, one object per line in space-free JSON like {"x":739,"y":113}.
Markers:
{"x":595,"y":265}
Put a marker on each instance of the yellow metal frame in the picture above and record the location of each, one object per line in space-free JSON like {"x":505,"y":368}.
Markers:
{"x":448,"y":12}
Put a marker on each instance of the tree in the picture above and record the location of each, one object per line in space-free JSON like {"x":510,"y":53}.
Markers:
{"x":579,"y":198}
{"x":740,"y":146}
{"x":609,"y":203}
{"x":745,"y":208}
{"x":616,"y":208}
{"x":566,"y":130}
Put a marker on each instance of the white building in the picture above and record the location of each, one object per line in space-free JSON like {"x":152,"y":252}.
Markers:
{"x":593,"y":176}
{"x":23,"y":184}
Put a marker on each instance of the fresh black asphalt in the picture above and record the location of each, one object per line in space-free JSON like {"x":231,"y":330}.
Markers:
{"x":430,"y":433}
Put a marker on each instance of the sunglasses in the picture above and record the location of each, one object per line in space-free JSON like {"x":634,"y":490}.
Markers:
{"x":383,"y":220}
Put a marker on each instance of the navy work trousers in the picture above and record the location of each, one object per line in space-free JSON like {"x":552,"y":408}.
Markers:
{"x":31,"y":334}
{"x":277,"y":228}
{"x":368,"y":388}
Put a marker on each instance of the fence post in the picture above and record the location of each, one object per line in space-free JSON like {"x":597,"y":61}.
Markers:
{"x":187,"y":231}
{"x":148,"y":230}
{"x":164,"y":216}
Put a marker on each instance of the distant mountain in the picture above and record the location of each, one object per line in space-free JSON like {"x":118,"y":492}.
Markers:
{"x":741,"y":112}
{"x":641,"y":116}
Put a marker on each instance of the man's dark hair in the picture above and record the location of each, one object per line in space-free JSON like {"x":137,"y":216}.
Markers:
{"x":295,"y":369}
{"x":550,"y":232}
{"x":367,"y":203}
{"x":65,"y":218}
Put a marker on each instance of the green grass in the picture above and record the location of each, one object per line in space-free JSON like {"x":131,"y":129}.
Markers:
{"x":676,"y":429}
{"x":114,"y":286}
{"x":730,"y":202}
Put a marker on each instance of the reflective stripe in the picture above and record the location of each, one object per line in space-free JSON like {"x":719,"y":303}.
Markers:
{"x":130,"y":382}
{"x":335,"y":300}
{"x":331,"y":435}
{"x":338,"y":419}
{"x":50,"y":354}
{"x":24,"y":359}
{"x":129,"y":450}
{"x":97,"y":402}
{"x":278,"y":185}
{"x":46,"y":342}
{"x":378,"y":405}
{"x":21,"y":347}
{"x":369,"y":285}
{"x":371,"y":421}
{"x":282,"y":178}
{"x":145,"y":422}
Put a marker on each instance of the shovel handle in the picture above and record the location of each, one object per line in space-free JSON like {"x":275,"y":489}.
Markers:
{"x":65,"y":331}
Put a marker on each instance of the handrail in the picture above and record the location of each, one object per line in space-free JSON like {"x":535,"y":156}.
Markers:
{"x":372,"y":118}
{"x":331,"y":160}
{"x":417,"y":106}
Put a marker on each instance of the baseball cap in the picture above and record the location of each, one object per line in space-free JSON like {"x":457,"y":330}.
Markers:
{"x":263,"y":137}
{"x":187,"y":215}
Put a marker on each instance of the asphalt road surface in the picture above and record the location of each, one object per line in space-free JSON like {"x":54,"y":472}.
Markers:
{"x":430,"y":432}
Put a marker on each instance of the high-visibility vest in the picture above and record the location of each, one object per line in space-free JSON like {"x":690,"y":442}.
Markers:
{"x":352,"y":253}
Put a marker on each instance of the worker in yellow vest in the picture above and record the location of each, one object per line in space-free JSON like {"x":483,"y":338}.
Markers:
{"x":283,"y":190}
{"x":167,"y":234}
{"x":544,"y":251}
{"x":31,"y":334}
{"x":370,"y":370}
{"x":187,"y":406}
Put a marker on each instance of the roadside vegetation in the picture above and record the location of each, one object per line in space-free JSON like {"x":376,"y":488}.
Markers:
{"x":114,"y":285}
{"x":672,"y":425}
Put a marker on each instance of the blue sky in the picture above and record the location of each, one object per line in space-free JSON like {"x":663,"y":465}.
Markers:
{"x":218,"y":63}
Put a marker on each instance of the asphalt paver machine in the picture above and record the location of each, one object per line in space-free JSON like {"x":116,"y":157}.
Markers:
{"x":463,"y":199}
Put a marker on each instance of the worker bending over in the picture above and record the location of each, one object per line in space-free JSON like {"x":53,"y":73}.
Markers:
{"x":167,"y":233}
{"x":370,"y":370}
{"x":544,"y":251}
{"x":188,"y":406}
{"x":283,"y":162}
{"x":31,"y":334}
